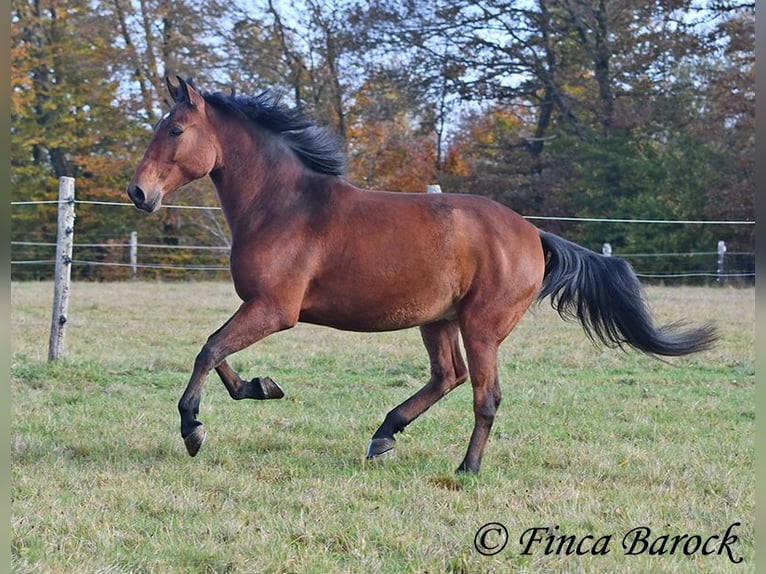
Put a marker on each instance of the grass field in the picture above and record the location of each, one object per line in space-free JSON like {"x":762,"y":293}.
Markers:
{"x":591,"y":444}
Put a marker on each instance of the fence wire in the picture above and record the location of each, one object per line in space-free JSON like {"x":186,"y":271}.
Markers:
{"x":225,"y":248}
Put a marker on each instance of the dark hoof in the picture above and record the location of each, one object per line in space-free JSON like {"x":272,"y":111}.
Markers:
{"x":268,"y":388}
{"x":194,"y":441}
{"x":379,"y":446}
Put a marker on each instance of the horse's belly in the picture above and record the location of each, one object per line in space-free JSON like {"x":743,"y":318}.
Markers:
{"x":361,"y":314}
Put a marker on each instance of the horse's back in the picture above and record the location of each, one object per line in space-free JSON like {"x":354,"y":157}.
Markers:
{"x":474,"y":231}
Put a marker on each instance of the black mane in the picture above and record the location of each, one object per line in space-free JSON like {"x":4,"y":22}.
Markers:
{"x":316,"y":146}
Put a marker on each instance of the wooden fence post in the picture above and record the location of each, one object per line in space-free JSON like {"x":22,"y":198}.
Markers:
{"x":64,"y":242}
{"x":133,"y":255}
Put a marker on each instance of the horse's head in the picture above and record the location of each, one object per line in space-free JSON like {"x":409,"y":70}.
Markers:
{"x":181,"y":150}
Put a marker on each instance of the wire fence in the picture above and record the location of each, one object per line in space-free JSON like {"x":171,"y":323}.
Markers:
{"x":125,"y":257}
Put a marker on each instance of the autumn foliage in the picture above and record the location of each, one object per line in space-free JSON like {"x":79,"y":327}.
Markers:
{"x":569,"y":109}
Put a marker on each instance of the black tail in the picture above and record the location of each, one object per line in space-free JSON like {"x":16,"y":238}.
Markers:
{"x":604,"y":294}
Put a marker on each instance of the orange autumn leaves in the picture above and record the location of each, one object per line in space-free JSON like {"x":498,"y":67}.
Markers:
{"x":389,"y":148}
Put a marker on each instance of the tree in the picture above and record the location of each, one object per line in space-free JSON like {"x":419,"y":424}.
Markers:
{"x":161,"y":39}
{"x":486,"y":157}
{"x":388,"y":147}
{"x":62,"y":120}
{"x":300,"y":51}
{"x":74,"y":114}
{"x":156,"y":39}
{"x":573,"y":107}
{"x":728,"y":121}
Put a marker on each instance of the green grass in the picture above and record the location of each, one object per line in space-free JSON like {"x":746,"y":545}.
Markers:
{"x":594,"y":441}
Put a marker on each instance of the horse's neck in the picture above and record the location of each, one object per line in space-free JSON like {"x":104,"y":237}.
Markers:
{"x":250,"y":185}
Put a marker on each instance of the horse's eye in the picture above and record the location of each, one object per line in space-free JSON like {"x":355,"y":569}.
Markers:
{"x":175,"y":131}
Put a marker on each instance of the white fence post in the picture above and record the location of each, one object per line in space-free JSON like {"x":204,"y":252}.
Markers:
{"x":63,"y":273}
{"x":133,"y":255}
{"x":719,"y":267}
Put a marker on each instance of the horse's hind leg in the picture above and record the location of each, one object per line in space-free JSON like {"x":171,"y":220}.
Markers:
{"x":482,"y":365}
{"x":448,"y":370}
{"x":259,"y":388}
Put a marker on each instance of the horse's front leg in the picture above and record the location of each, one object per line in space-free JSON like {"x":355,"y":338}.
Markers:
{"x":253,"y":321}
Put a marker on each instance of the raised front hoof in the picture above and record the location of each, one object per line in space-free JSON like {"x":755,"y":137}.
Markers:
{"x":269,"y":389}
{"x":194,"y":441}
{"x":380,"y":446}
{"x":261,"y":389}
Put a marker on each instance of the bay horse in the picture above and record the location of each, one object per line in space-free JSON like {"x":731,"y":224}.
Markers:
{"x":307,"y":245}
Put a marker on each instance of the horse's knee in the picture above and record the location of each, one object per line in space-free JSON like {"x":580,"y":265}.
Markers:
{"x":206,"y":359}
{"x":486,"y":407}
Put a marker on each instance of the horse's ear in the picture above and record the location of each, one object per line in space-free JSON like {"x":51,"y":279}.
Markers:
{"x":173,"y":90}
{"x":188,"y":93}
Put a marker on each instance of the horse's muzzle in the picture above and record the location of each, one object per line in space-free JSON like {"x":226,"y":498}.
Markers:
{"x":138,"y":197}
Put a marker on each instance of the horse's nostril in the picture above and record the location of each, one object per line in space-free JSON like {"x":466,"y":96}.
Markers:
{"x":137,"y":195}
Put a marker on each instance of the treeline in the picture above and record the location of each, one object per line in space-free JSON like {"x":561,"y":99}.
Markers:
{"x":604,"y":108}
